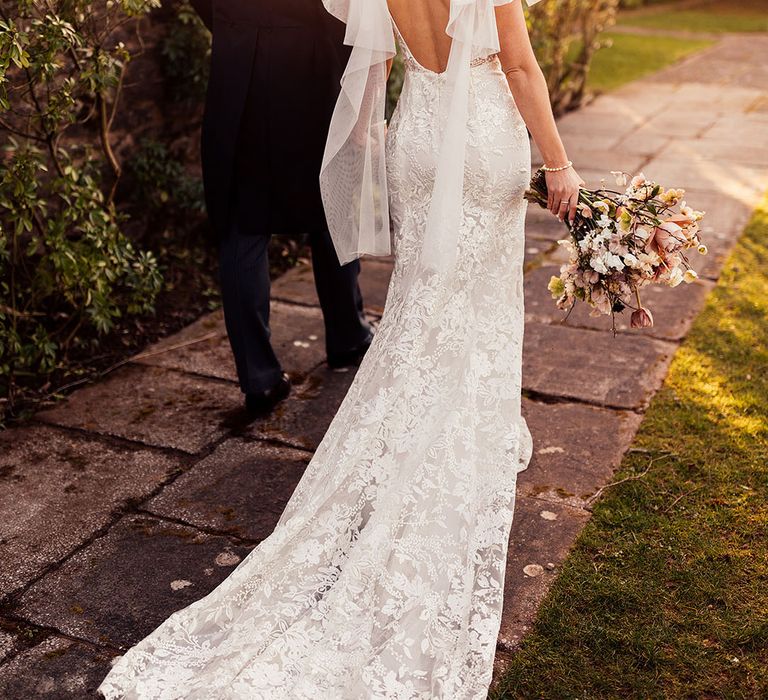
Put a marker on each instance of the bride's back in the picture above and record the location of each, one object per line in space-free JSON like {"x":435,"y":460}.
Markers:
{"x":422,"y":24}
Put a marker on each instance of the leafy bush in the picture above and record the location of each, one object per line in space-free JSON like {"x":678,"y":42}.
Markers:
{"x":186,"y":50}
{"x":161,"y":181}
{"x":67,"y":271}
{"x":557,"y":28}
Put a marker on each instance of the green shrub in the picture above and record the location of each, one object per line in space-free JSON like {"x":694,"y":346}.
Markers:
{"x":161,"y":182}
{"x":556,"y":28}
{"x":67,"y":271}
{"x":186,"y":51}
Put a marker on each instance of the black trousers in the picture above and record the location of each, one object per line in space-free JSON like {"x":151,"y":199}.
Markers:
{"x":245,"y":285}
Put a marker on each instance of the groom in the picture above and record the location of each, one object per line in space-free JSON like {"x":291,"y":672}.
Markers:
{"x":275,"y":72}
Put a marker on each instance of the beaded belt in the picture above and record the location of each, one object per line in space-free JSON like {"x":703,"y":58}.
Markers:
{"x":483,"y":60}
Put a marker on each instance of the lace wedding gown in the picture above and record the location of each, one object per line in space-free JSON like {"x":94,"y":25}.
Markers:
{"x":384,"y":576}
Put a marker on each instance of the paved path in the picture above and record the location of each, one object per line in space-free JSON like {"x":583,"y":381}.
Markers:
{"x":142,"y":492}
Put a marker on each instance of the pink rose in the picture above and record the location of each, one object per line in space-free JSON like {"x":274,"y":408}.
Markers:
{"x":667,"y":237}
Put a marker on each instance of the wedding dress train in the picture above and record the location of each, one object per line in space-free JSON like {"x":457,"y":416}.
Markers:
{"x":384,"y":576}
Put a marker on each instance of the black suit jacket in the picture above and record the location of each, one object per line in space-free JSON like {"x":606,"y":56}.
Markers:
{"x":275,"y":73}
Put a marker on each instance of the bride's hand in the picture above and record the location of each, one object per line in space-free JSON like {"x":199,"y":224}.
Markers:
{"x":563,"y":188}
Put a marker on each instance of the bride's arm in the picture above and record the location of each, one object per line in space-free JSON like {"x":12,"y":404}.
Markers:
{"x":529,"y":88}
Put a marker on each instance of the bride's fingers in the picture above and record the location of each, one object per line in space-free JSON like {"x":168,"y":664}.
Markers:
{"x":562,"y":209}
{"x":573,"y":206}
{"x":556,"y":203}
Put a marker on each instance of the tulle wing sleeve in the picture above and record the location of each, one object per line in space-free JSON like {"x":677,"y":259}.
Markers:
{"x":353,"y":176}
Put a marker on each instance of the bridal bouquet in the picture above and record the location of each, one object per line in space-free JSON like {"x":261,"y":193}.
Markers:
{"x":621,"y":242}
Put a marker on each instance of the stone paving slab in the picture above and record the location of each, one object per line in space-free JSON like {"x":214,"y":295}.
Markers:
{"x":750,"y":152}
{"x":154,"y":406}
{"x":70,"y":486}
{"x":575,"y":450}
{"x":542,"y":534}
{"x":595,"y":367}
{"x":123,"y":585}
{"x":727,"y":213}
{"x":752,"y":129}
{"x":240,"y":489}
{"x":7,"y":645}
{"x":597,"y":157}
{"x":297,"y":285}
{"x":303,"y":419}
{"x":673,"y":309}
{"x":737,"y":61}
{"x":605,"y":126}
{"x":298,"y":337}
{"x":55,"y":669}
{"x":541,"y":224}
{"x":697,"y":172}
{"x":374,"y":283}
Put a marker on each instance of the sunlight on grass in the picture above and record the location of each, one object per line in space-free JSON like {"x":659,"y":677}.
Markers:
{"x":664,"y":594}
{"x":630,"y":57}
{"x":718,"y":16}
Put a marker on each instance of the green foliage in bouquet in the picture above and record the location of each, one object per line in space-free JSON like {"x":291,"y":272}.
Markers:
{"x":67,"y":271}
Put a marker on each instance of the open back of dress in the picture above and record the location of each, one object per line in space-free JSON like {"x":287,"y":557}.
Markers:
{"x":422,"y":24}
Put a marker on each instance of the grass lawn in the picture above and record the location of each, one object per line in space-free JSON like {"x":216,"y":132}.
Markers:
{"x":665,"y":594}
{"x":631,"y":56}
{"x":716,"y":16}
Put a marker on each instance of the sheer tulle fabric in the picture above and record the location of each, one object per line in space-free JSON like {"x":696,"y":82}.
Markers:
{"x":353,"y":178}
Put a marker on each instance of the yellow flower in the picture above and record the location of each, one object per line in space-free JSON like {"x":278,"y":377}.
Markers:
{"x":556,"y":287}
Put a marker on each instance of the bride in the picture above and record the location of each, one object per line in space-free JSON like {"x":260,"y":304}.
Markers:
{"x":384,"y":577}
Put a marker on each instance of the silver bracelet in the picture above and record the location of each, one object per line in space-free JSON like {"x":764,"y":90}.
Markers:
{"x":546,"y":169}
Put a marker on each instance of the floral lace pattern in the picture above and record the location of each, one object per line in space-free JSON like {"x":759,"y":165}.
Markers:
{"x":384,"y":576}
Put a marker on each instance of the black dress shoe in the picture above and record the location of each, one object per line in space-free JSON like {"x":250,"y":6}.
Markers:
{"x":350,"y":358}
{"x":261,"y":404}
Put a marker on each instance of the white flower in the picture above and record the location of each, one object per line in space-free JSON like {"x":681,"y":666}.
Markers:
{"x":614,"y":261}
{"x":604,"y":222}
{"x":675,"y":276}
{"x":703,"y":249}
{"x":690,"y":276}
{"x":631,"y":260}
{"x":621,"y":177}
{"x":597,"y":264}
{"x":638,"y":180}
{"x":648,"y":260}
